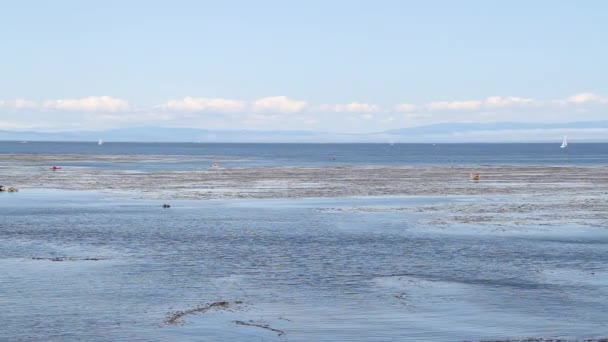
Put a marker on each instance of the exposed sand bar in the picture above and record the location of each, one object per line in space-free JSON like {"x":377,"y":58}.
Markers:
{"x":299,"y":182}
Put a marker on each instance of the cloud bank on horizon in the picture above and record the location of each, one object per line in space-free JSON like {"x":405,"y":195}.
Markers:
{"x":282,"y":112}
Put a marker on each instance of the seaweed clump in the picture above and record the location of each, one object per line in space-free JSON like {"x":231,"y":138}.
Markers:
{"x":57,"y":259}
{"x":261,"y":325}
{"x":177,"y":316}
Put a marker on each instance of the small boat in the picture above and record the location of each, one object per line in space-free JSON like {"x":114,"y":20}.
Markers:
{"x":100,"y":142}
{"x":564,"y":142}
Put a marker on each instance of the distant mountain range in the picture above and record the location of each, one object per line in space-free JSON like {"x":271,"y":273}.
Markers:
{"x":444,"y":132}
{"x":155,"y":134}
{"x":449,"y":128}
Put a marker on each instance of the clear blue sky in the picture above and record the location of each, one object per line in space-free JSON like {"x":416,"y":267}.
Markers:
{"x":327,"y":54}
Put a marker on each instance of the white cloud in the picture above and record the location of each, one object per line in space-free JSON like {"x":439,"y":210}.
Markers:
{"x":278,"y":104}
{"x":18,"y":104}
{"x":353,"y":107}
{"x":310,"y":121}
{"x":454,"y":105}
{"x":91,"y":104}
{"x":585,"y":98}
{"x":15,"y":125}
{"x":269,"y":112}
{"x":502,"y":101}
{"x":201,"y":104}
{"x":406,"y":108}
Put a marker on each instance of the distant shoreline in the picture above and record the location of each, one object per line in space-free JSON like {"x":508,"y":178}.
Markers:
{"x":543,"y":142}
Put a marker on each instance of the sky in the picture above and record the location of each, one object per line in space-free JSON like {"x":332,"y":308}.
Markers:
{"x":334,"y":66}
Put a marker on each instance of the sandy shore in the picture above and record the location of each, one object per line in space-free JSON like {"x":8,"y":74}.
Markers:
{"x":544,"y":194}
{"x":298,"y":182}
{"x":503,"y":198}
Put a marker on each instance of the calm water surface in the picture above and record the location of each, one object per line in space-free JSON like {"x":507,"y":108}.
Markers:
{"x":319,"y":276}
{"x":238,"y":155}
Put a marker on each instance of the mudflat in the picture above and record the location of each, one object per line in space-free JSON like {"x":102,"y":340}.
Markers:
{"x":519,"y":242}
{"x":300,"y":182}
{"x":545,"y":195}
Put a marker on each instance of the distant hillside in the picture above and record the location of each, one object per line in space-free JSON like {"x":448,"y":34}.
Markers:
{"x":444,"y":132}
{"x":450,"y":128}
{"x":157,"y":134}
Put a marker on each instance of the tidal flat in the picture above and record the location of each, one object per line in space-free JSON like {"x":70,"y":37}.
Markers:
{"x":512,"y":195}
{"x":334,"y":253}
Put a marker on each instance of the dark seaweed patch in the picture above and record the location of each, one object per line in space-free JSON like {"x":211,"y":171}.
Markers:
{"x":57,"y":259}
{"x":177,"y":316}
{"x":261,"y":325}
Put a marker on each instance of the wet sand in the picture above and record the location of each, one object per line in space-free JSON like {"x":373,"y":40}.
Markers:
{"x":540,"y":195}
{"x":300,"y":182}
{"x":504,"y":196}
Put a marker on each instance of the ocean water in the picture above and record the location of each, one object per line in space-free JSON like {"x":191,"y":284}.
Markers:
{"x":199,"y":155}
{"x":125,"y":265}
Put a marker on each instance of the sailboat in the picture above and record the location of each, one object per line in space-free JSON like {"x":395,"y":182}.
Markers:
{"x":100,"y":142}
{"x":564,"y":142}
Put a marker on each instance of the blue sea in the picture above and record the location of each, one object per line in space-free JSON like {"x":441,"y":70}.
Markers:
{"x":88,"y":266}
{"x":193,"y":155}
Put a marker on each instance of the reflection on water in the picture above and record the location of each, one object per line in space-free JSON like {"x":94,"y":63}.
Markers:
{"x":76,"y":266}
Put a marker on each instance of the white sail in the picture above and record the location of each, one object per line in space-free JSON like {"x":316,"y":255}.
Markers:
{"x":100,"y":142}
{"x":564,"y":142}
